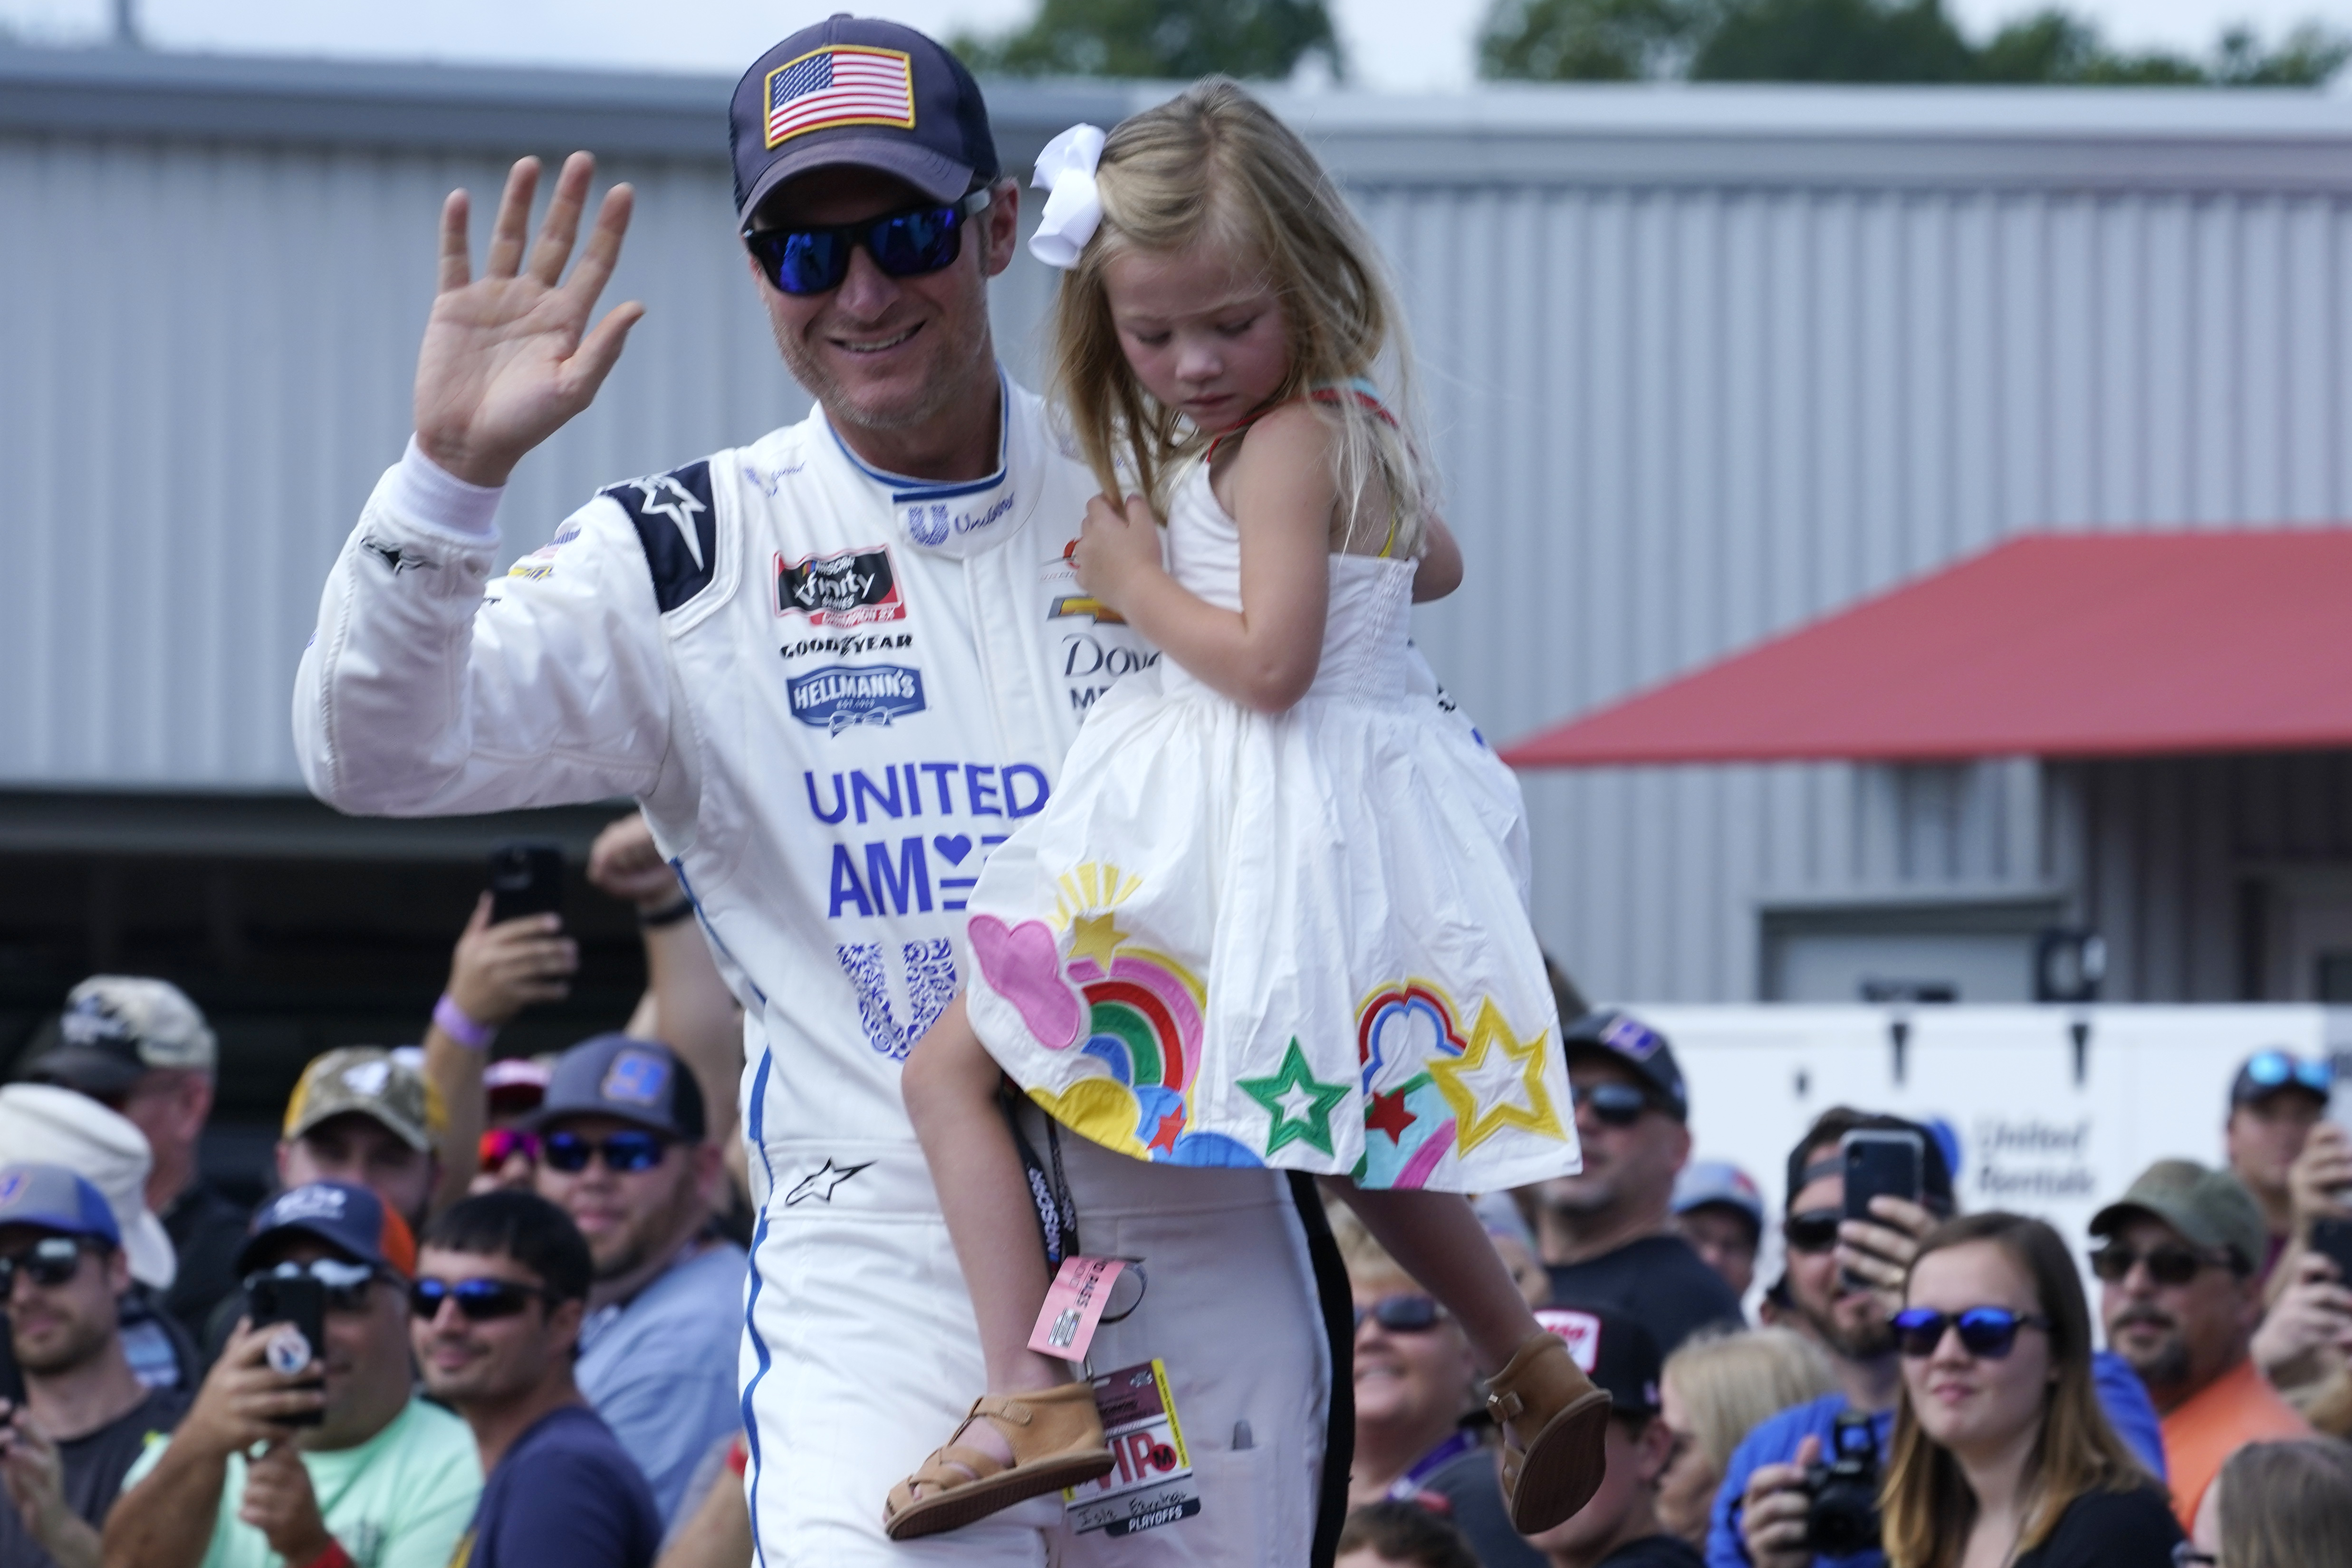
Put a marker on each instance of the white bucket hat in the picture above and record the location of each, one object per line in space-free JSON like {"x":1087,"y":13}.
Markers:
{"x":43,"y":1124}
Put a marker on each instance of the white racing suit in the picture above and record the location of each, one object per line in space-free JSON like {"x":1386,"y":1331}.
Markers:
{"x":833,"y":691}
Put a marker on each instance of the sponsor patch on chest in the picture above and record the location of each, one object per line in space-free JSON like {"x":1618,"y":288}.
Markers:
{"x":852,"y":588}
{"x":839,"y":697}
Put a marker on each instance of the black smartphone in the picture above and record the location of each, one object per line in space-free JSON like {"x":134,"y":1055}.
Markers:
{"x":300,"y":1301}
{"x":526,"y":878}
{"x":2332,"y":1239}
{"x":1879,"y":1164}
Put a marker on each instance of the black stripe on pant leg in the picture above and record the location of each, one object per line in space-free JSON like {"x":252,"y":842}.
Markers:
{"x":1339,"y":1304}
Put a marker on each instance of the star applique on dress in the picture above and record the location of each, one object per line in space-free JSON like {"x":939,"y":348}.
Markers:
{"x":1496,"y":1084}
{"x":1301,"y":1104}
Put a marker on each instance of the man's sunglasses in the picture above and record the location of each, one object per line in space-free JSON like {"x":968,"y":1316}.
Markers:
{"x":478,"y":1300}
{"x":500,"y":1145}
{"x":1403,"y":1314}
{"x":622,"y":1153}
{"x":52,"y":1260}
{"x":1617,"y":1105}
{"x":1815,"y":1230}
{"x":343,"y":1286}
{"x":1987,"y":1333}
{"x":906,"y":244}
{"x":2272,"y":1068}
{"x":2167,"y":1264}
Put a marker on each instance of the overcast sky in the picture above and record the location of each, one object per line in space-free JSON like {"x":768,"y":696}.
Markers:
{"x":1394,"y":43}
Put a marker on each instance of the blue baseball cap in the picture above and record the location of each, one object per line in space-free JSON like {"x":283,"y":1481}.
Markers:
{"x":864,"y":92}
{"x":51,"y":1198}
{"x":639,"y":1080}
{"x":1719,"y":1182}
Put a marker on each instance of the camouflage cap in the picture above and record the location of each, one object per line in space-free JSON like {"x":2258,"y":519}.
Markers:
{"x":366,"y":1080}
{"x":116,"y":1028}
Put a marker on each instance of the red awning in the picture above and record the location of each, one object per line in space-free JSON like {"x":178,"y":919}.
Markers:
{"x":2053,"y":645}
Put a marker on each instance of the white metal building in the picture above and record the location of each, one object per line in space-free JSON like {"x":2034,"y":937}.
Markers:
{"x":1706,"y":364}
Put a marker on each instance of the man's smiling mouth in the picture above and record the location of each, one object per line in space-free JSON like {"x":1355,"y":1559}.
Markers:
{"x":879,"y":346}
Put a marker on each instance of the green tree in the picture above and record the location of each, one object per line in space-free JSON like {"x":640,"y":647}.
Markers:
{"x":1264,"y":40}
{"x":1863,"y":41}
{"x":1594,"y":40}
{"x":1834,"y":40}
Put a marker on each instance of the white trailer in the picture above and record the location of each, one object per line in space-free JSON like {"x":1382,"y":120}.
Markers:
{"x":2048,"y":1111}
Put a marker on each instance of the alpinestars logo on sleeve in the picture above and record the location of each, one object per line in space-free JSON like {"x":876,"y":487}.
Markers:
{"x":678,"y":525}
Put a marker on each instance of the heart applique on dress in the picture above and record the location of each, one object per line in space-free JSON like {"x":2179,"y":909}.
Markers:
{"x":1024,"y":965}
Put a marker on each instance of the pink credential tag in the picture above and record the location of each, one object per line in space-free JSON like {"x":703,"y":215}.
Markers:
{"x":1073,"y":1307}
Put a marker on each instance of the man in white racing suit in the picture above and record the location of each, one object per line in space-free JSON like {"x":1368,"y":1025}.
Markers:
{"x":836,"y":667}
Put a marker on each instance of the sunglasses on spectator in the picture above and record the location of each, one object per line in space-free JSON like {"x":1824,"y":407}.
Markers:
{"x":344,"y":1285}
{"x":907,"y":244}
{"x":2167,"y":1264}
{"x":1815,"y":1230}
{"x":622,"y":1153}
{"x":500,"y":1145}
{"x":1987,"y":1333}
{"x":1403,"y":1314}
{"x":478,"y":1300}
{"x":1617,"y":1105}
{"x":2273,"y":1068}
{"x":52,"y":1260}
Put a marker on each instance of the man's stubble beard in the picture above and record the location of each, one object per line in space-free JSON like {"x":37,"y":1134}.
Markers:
{"x":939,"y":393}
{"x":2166,"y":1366}
{"x":1869,"y":1339}
{"x":83,"y":1343}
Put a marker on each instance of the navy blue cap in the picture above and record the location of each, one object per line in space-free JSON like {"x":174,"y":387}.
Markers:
{"x":859,"y":92}
{"x":51,"y":1198}
{"x":1622,"y":1035}
{"x":639,"y":1080}
{"x":348,"y":1217}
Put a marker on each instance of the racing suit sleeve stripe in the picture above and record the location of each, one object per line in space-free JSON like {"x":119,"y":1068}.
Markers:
{"x":421,"y":695}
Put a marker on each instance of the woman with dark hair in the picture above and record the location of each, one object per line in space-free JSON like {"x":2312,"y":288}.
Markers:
{"x":2003,"y":1457}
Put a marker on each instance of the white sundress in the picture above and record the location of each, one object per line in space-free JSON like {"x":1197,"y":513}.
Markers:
{"x":1299,"y":939}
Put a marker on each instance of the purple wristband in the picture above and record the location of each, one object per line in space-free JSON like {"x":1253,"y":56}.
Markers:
{"x":452,"y":1020}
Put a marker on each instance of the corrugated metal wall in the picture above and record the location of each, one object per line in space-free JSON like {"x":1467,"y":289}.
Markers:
{"x":1702,"y":365}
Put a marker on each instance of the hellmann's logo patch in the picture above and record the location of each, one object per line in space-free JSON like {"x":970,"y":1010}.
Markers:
{"x":840,"y":697}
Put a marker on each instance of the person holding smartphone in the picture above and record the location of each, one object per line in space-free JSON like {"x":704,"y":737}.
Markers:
{"x":1845,"y":1283}
{"x":79,"y":1416}
{"x":303,"y":1450}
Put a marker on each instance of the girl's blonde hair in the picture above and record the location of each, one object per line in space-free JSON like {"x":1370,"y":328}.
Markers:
{"x":1728,"y":1381}
{"x":1214,"y":164}
{"x":1929,"y":1507}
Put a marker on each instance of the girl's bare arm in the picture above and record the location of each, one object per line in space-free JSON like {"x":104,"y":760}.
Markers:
{"x":1281,"y":492}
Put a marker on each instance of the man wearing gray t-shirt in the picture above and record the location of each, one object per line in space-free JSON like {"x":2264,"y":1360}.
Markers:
{"x":623,"y":1150}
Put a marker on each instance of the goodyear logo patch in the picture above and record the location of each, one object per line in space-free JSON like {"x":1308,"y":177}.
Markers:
{"x":840,"y":697}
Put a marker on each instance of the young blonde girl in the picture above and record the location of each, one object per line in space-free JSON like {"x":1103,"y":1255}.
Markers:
{"x":1273,"y":914}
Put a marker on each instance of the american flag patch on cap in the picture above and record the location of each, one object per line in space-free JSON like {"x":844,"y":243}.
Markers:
{"x":841,"y":84}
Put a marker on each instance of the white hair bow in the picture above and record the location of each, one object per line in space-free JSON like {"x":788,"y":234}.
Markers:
{"x":1065,"y":170}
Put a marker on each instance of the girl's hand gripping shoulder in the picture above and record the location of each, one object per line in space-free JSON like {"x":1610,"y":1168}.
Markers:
{"x":1278,"y":487}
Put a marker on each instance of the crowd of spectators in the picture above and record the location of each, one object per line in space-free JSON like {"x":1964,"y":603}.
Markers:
{"x":527,"y":1277}
{"x":1921,"y":1387}
{"x":490,"y":1316}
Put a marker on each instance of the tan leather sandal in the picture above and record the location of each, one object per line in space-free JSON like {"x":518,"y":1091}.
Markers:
{"x":1556,"y":1430}
{"x":1057,"y":1441}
